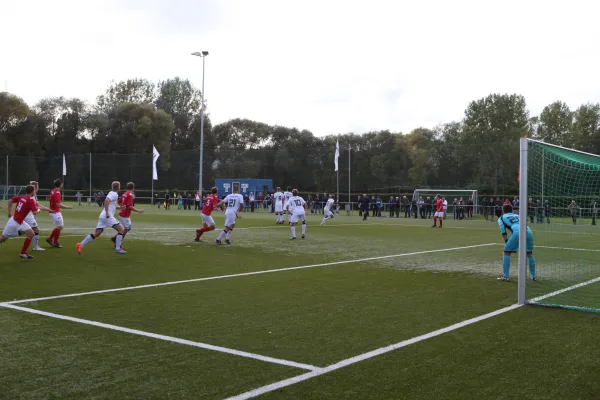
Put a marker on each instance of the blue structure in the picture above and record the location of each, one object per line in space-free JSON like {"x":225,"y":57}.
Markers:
{"x":246,"y":185}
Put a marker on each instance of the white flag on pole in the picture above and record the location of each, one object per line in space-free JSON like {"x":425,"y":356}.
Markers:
{"x":155,"y":156}
{"x":64,"y":165}
{"x":337,"y":154}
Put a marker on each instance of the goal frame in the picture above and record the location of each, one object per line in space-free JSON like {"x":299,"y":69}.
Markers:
{"x":523,"y":194}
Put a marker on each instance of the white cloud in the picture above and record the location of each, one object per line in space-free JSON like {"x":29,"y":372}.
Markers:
{"x":328,"y":66}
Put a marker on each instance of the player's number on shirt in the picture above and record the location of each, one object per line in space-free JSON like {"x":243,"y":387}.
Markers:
{"x":513,"y":220}
{"x":298,"y":203}
{"x":19,"y":206}
{"x":231,"y":203}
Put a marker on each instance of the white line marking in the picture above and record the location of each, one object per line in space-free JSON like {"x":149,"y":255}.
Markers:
{"x":566,"y":248}
{"x":268,"y":271}
{"x":165,"y":338}
{"x":540,"y":298}
{"x":344,"y":363}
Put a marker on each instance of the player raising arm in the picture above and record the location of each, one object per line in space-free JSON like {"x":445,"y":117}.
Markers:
{"x":510,"y":222}
{"x":55,"y":214}
{"x":126,"y":204}
{"x":16,"y":224}
{"x":234,"y":203}
{"x":107,"y":219}
{"x":208,"y":223}
{"x":297,"y":208}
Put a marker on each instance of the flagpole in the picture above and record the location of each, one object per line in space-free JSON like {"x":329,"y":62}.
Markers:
{"x":349,"y":195}
{"x":90,"y":174}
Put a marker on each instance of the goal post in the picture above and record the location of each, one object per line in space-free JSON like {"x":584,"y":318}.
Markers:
{"x":559,"y":190}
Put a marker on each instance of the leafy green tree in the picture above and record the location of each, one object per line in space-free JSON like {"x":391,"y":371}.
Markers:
{"x":493,"y":126}
{"x":140,"y":91}
{"x":586,"y":128}
{"x":180,"y":99}
{"x":555,"y":123}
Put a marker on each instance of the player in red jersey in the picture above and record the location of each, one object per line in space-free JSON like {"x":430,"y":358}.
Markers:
{"x":439,"y":211}
{"x":55,"y":214}
{"x":126,"y":204}
{"x":16,"y":224}
{"x":208,"y":223}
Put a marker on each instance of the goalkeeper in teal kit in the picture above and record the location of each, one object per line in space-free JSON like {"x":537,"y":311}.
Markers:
{"x":510,"y":222}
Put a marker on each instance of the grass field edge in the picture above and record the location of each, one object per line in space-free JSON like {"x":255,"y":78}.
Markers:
{"x":166,"y":338}
{"x":361,"y":357}
{"x":151,"y":285}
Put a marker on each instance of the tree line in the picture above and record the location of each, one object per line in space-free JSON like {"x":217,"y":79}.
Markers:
{"x":478,"y":152}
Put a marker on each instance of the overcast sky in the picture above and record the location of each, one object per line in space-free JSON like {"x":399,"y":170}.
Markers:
{"x":325,"y":65}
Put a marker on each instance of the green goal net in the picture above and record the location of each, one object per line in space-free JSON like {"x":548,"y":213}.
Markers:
{"x":563,"y":188}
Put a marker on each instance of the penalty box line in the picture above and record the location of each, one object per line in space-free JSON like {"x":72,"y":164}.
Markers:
{"x":268,"y":271}
{"x":365,"y":356}
{"x":166,"y":338}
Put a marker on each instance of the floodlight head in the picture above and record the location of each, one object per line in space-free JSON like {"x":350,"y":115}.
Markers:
{"x":200,"y":54}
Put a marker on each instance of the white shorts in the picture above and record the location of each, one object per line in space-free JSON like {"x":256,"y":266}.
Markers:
{"x":328,"y":213}
{"x":297,"y":217}
{"x":230,"y":217}
{"x":439,"y":214}
{"x":104,"y":222}
{"x":126,"y":222}
{"x":30,"y":219}
{"x":57,"y":219}
{"x":279,"y":208}
{"x":207,"y":220}
{"x":13,"y":228}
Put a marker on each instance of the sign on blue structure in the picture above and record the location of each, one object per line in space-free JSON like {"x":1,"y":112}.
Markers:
{"x":246,"y":185}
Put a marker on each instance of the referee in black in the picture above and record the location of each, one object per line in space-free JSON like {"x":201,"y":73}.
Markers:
{"x":364,"y":206}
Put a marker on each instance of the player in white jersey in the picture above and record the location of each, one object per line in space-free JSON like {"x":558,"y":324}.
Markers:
{"x":30,"y":219}
{"x":327,"y":210}
{"x":286,"y":198}
{"x":297,"y":209}
{"x":234,"y":203}
{"x":107,"y":220}
{"x":278,"y":199}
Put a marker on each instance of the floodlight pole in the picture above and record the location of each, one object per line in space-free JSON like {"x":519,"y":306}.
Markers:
{"x":522,"y":253}
{"x":203,"y":55}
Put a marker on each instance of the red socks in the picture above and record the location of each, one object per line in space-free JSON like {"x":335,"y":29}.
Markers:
{"x":435,"y":221}
{"x":441,"y":222}
{"x":54,"y":235}
{"x":205,"y":229}
{"x":26,"y":244}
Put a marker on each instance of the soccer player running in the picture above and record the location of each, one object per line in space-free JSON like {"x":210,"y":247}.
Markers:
{"x":16,"y":224}
{"x":286,"y":198}
{"x":56,"y":215}
{"x":126,"y":203}
{"x":30,"y":218}
{"x":279,"y":201}
{"x":327,"y":210}
{"x":234,"y":203}
{"x":208,"y":223}
{"x":297,"y":208}
{"x":439,"y":211}
{"x":107,"y":219}
{"x":510,"y":222}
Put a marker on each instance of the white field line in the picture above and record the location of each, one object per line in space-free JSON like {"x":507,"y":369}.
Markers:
{"x":268,"y":271}
{"x":353,"y":360}
{"x":165,"y":338}
{"x":540,"y":298}
{"x":566,"y":248}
